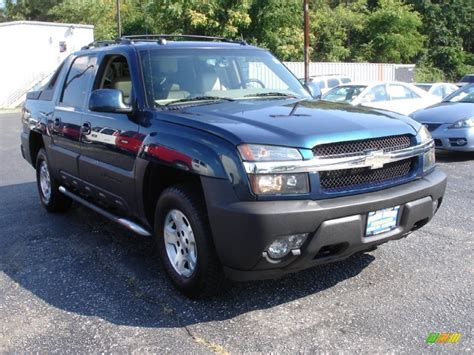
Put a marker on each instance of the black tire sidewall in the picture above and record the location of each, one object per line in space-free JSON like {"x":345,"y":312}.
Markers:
{"x":174,"y":198}
{"x":57,"y":201}
{"x":39,"y":159}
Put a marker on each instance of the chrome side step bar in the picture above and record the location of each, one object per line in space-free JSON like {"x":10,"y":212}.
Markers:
{"x":122,"y":221}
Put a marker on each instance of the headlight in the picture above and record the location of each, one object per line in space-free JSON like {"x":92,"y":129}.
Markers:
{"x":466,"y":123}
{"x":255,"y":152}
{"x":275,"y":184}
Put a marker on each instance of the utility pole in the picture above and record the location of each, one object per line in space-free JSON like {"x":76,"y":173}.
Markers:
{"x":119,"y":21}
{"x":306,"y":40}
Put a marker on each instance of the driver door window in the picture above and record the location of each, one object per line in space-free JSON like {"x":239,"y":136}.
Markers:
{"x":401,"y":92}
{"x":376,"y":94}
{"x":116,"y":75}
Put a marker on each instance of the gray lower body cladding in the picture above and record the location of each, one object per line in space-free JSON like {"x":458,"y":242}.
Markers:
{"x":242,"y":230}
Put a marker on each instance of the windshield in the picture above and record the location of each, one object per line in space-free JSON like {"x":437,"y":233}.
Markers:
{"x":180,"y":75}
{"x":465,"y":94}
{"x":344,"y":93}
{"x":467,"y":78}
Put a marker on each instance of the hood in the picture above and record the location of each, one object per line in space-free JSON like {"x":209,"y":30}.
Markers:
{"x":291,"y":122}
{"x":445,"y":112}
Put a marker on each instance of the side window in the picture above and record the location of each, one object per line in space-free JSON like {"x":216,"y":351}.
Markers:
{"x":47,"y":91}
{"x":114,"y":73}
{"x":76,"y":86}
{"x":332,"y":83}
{"x":376,"y":94}
{"x":439,"y":91}
{"x":321,"y":83}
{"x":448,"y":90}
{"x":345,"y":80}
{"x":400,"y":92}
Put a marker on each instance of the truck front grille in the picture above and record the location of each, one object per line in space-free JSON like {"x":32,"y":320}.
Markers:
{"x":358,"y":178}
{"x":387,"y":144}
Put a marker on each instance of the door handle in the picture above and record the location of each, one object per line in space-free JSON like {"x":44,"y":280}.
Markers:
{"x":86,"y":128}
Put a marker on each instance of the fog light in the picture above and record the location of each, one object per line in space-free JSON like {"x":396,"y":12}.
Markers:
{"x":283,"y":245}
{"x":461,"y":141}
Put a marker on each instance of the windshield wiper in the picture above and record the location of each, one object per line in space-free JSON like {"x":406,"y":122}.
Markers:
{"x":273,"y":94}
{"x":200,"y":98}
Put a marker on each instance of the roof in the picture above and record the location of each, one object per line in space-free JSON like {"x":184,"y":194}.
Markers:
{"x":163,"y":43}
{"x":41,"y":23}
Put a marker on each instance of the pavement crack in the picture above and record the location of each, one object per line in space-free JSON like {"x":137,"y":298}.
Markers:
{"x":215,"y":348}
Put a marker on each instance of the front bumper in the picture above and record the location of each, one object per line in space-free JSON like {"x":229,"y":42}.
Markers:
{"x":242,"y":230}
{"x":447,"y":138}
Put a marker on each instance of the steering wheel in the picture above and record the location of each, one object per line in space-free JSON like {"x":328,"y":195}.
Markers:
{"x":250,"y":83}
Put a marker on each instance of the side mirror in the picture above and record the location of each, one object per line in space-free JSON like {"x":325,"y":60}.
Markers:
{"x":314,"y":90}
{"x":33,"y":95}
{"x":108,"y":100}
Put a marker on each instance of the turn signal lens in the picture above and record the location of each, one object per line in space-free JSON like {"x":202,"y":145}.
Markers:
{"x":272,"y":184}
{"x":429,"y":160}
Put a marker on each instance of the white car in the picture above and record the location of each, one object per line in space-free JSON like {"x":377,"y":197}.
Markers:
{"x":437,"y":89}
{"x":103,"y":135}
{"x":327,"y":82}
{"x":398,"y":97}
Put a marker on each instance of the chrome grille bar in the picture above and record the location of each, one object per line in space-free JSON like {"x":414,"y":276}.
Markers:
{"x":373,"y":160}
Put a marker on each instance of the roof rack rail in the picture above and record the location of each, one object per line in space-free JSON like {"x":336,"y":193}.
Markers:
{"x":106,"y":43}
{"x":161,"y":37}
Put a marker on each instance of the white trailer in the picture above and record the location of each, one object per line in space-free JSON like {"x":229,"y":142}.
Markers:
{"x":31,"y":51}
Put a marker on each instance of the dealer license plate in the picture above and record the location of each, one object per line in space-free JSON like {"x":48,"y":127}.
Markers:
{"x":382,"y":221}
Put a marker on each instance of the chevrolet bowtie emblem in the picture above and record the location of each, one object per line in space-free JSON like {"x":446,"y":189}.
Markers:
{"x":375,"y":159}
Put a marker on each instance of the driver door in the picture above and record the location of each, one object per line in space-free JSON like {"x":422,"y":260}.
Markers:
{"x":108,"y":151}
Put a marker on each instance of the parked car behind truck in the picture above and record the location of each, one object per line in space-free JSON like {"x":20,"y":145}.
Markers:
{"x":235,"y":172}
{"x":451,"y":122}
{"x":394,"y":96}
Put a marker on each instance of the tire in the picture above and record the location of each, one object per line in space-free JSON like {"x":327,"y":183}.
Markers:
{"x":197,"y":273}
{"x":48,"y":186}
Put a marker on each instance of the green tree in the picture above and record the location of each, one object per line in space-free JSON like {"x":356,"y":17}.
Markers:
{"x":278,"y":26}
{"x":226,"y":18}
{"x":450,"y":33}
{"x":37,"y":10}
{"x":338,"y":31}
{"x":100,"y":13}
{"x":392,"y":33}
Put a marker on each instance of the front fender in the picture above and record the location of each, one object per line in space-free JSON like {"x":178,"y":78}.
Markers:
{"x":196,"y":152}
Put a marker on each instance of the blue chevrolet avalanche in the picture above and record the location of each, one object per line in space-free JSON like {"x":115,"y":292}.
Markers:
{"x":215,"y":150}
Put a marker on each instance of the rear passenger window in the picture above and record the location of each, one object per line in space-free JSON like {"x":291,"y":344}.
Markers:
{"x":48,"y":90}
{"x":76,"y":86}
{"x":332,"y":83}
{"x":321,"y":83}
{"x":345,"y":80}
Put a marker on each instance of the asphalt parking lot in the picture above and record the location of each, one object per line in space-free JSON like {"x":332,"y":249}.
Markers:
{"x":76,"y":282}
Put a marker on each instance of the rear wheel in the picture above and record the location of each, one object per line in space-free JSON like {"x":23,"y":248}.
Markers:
{"x":185,"y":242}
{"x":48,"y":186}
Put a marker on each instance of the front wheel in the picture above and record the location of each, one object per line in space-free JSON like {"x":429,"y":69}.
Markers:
{"x":185,"y":242}
{"x":48,"y":187}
